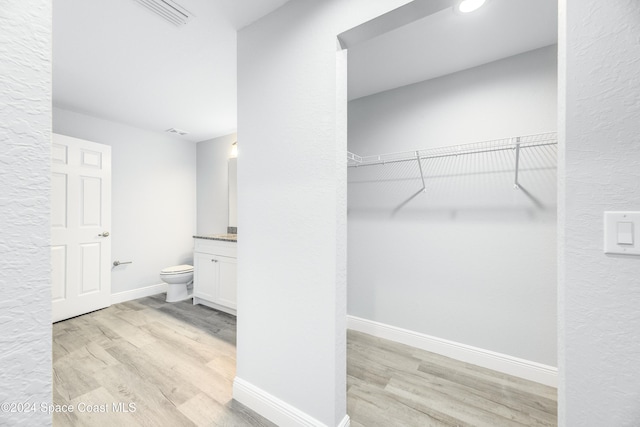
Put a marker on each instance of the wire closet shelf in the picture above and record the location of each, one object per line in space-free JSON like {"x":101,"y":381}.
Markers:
{"x":514,"y":143}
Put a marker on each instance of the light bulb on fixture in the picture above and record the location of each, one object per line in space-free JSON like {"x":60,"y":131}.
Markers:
{"x":466,"y":6}
{"x":234,"y":150}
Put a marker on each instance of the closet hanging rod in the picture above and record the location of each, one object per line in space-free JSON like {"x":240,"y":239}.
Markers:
{"x":531,"y":141}
{"x":464,"y":153}
{"x":439,"y":156}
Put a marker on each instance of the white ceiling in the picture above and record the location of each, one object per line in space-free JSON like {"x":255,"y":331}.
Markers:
{"x":116,"y":60}
{"x":447,"y":42}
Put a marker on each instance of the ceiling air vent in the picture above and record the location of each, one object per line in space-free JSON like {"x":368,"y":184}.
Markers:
{"x":168,"y":10}
{"x":177,"y":131}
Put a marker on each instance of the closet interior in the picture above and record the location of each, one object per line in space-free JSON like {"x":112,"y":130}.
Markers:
{"x":452,"y":190}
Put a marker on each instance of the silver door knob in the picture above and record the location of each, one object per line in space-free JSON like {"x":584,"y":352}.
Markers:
{"x":105,"y":234}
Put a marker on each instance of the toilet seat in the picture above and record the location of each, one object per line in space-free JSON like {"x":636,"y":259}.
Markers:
{"x":177,"y":269}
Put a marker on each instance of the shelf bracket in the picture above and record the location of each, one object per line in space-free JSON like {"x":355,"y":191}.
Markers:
{"x":424,"y":187}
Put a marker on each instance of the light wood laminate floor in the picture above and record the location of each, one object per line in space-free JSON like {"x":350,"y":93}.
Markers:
{"x":176,"y":363}
{"x":390,"y":384}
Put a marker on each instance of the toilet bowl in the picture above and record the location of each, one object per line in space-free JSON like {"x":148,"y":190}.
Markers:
{"x":177,"y":279}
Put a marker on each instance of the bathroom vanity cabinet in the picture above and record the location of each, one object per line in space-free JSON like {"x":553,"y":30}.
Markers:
{"x":214,"y":274}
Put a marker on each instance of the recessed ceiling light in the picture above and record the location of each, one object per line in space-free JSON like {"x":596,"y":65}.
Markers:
{"x":466,"y":6}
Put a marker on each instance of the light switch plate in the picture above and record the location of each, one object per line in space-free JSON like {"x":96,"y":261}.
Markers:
{"x":616,"y":230}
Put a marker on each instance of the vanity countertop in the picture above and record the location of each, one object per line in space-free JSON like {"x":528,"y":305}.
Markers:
{"x":223,"y":237}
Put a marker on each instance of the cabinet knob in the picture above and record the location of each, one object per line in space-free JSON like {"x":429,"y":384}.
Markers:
{"x":214,"y":260}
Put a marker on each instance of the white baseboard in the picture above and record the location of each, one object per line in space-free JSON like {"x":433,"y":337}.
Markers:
{"x":274,"y":409}
{"x":147,"y":291}
{"x":346,"y":422}
{"x":533,"y":371}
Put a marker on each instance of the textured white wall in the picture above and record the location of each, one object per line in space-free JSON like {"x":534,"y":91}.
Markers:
{"x":474,"y":264}
{"x":213,"y":180}
{"x":600,"y":297}
{"x":292,"y":204}
{"x":154,"y":196}
{"x":25,"y":147}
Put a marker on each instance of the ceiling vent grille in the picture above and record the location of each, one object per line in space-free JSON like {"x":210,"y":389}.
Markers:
{"x":177,"y":131}
{"x":168,"y":10}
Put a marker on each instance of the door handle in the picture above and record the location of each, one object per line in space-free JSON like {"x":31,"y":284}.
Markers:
{"x":105,"y":234}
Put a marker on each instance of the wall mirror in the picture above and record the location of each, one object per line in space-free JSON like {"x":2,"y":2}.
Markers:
{"x":233,"y":192}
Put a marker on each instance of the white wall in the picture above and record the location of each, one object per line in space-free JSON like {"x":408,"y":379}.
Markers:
{"x":213,"y":189}
{"x":154,"y":196}
{"x":292,"y":207}
{"x":600,"y":297}
{"x":25,"y":147}
{"x":513,"y":96}
{"x":471,"y":260}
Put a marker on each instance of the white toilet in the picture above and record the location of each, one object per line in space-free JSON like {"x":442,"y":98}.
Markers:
{"x":177,"y":278}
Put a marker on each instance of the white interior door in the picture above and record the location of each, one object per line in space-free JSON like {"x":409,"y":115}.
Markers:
{"x":80,"y":226}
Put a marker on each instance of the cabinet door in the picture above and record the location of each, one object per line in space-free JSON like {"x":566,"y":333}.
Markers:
{"x":205,"y":276}
{"x":227,"y":285}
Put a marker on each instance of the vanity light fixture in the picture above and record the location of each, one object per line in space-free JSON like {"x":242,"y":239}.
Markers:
{"x":234,"y":150}
{"x":466,"y":6}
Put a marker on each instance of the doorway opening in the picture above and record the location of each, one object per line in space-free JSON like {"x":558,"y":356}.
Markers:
{"x":452,"y":185}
